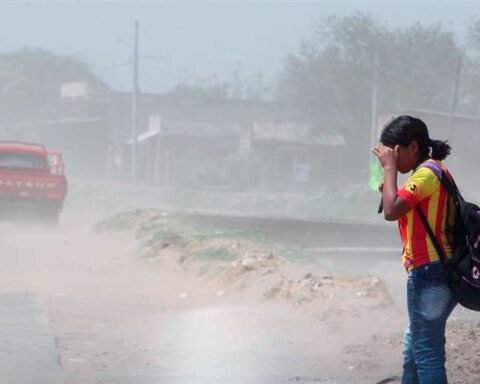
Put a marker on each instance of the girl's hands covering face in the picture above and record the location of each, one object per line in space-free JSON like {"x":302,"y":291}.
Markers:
{"x":387,"y":156}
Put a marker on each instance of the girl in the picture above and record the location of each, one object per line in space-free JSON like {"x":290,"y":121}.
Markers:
{"x":406,"y":146}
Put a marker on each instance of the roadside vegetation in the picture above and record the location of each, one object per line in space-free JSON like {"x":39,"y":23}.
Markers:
{"x":157,"y":231}
{"x":237,"y":259}
{"x":237,"y":265}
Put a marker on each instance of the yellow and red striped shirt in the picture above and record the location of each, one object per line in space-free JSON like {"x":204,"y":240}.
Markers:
{"x":423,"y":189}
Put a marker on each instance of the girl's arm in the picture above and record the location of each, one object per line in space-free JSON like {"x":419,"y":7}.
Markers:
{"x":393,"y":206}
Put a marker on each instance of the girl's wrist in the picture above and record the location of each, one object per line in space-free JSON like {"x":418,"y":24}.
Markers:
{"x":390,"y":168}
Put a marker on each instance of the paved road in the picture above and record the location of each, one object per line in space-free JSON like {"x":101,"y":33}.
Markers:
{"x":312,"y":233}
{"x":28,"y":354}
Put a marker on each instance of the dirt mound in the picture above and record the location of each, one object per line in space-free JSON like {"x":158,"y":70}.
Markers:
{"x":242,"y":265}
{"x":239,"y":261}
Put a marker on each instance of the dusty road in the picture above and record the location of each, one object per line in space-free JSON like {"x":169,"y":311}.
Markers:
{"x":81,"y":307}
{"x":115,"y":318}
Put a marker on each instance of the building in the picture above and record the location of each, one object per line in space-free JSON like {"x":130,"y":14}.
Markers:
{"x":229,"y":143}
{"x":187,"y":142}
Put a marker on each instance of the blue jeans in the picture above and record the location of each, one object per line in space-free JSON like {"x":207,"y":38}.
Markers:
{"x":430,"y":302}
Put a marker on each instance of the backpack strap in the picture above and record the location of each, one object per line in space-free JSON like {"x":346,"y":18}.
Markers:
{"x":439,"y":250}
{"x":447,"y":183}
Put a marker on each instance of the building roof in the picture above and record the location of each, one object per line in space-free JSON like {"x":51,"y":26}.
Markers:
{"x":144,"y":136}
{"x":295,"y":132}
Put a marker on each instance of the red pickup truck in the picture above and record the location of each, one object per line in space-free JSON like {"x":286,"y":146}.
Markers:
{"x":32,"y":182}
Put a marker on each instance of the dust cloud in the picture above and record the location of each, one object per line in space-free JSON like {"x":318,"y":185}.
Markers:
{"x":224,"y":228}
{"x":120,"y":315}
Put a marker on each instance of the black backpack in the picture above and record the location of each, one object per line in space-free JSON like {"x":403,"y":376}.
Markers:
{"x":464,"y":275}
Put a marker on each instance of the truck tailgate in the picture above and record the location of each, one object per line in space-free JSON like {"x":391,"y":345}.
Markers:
{"x":32,"y":186}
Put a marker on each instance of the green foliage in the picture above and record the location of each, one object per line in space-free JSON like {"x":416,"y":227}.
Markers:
{"x":195,"y":91}
{"x":418,"y":69}
{"x":240,"y":234}
{"x":473,"y":37}
{"x":215,"y":254}
{"x":30,"y":81}
{"x":181,"y":233}
{"x":331,"y":77}
{"x":470,"y":71}
{"x":235,"y":86}
{"x":156,"y":237}
{"x":120,"y":222}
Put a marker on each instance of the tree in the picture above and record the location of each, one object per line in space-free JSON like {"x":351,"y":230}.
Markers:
{"x":470,"y":79}
{"x":30,"y":82}
{"x":331,"y":77}
{"x":196,"y":91}
{"x":473,"y":35}
{"x":419,"y":68}
{"x":236,"y":86}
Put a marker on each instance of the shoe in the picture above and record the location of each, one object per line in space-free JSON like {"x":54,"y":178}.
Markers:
{"x":389,"y":380}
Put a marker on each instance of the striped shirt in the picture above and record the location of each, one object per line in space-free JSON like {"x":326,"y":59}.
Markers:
{"x":423,"y":189}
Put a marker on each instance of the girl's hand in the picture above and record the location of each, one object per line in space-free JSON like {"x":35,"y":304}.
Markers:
{"x":387,"y":156}
{"x":380,"y":187}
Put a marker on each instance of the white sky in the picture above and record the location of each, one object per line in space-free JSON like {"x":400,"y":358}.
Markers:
{"x":195,"y":39}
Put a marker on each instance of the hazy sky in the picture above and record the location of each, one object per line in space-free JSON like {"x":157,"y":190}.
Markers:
{"x":195,"y":39}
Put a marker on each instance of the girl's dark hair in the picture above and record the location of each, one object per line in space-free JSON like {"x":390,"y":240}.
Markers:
{"x":403,"y":129}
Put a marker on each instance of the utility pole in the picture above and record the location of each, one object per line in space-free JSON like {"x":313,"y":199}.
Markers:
{"x":134,"y":106}
{"x":373,"y":128}
{"x":454,"y":97}
{"x":157,"y":154}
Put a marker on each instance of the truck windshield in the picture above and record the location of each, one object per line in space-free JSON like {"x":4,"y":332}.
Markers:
{"x":21,"y":160}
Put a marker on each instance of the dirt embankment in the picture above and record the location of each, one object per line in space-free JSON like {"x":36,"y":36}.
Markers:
{"x":238,"y":266}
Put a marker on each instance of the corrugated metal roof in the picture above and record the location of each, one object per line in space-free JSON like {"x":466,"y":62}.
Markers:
{"x":294,"y":132}
{"x":286,"y":132}
{"x":144,"y":136}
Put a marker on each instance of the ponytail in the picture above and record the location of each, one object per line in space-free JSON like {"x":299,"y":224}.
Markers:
{"x":440,"y":149}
